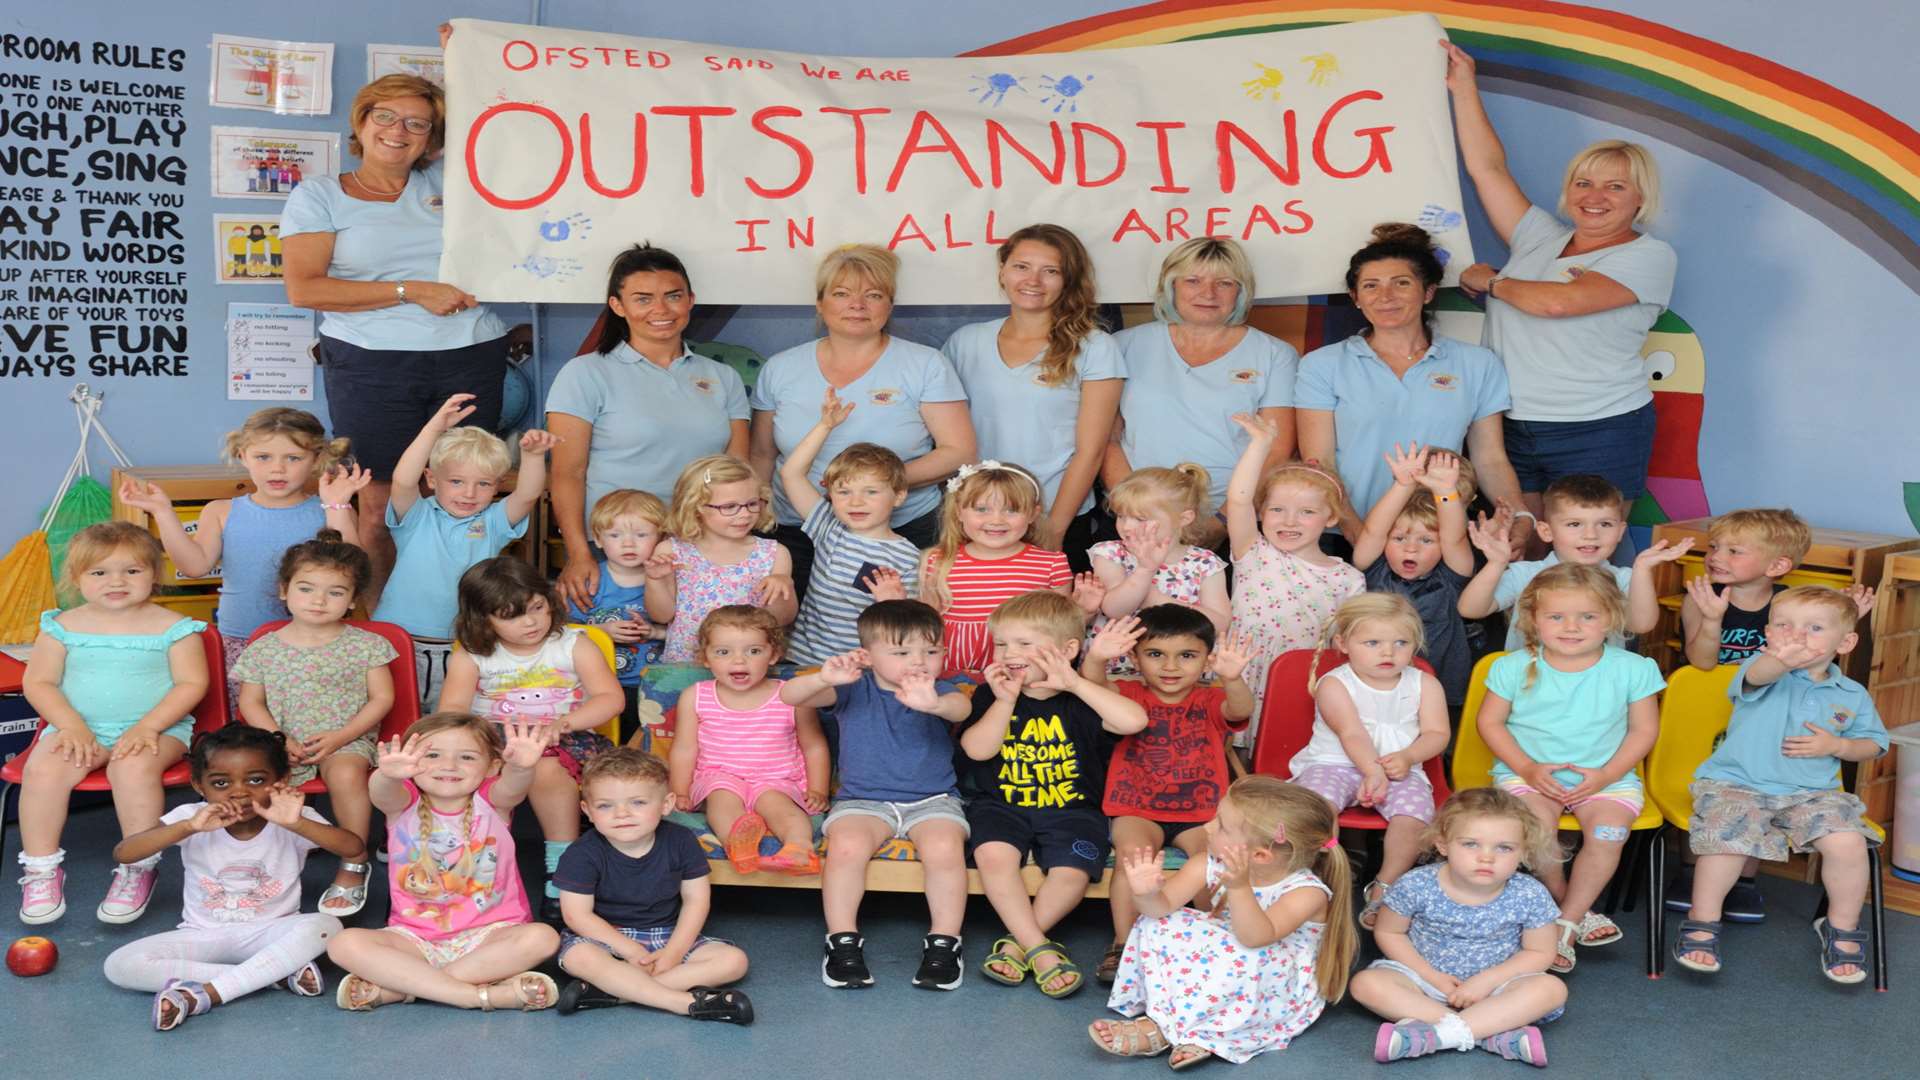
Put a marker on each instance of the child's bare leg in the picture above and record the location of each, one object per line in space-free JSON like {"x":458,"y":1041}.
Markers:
{"x":1843,"y":870}
{"x":46,"y":788}
{"x":1130,"y":833}
{"x":1392,"y":996}
{"x":1520,"y":1004}
{"x":999,"y":866}
{"x":1060,"y":892}
{"x":709,"y":965}
{"x":1602,"y":820}
{"x":138,"y":798}
{"x":1400,"y":848}
{"x":785,"y":819}
{"x":1553,"y":875}
{"x":942,"y":846}
{"x":556,"y":801}
{"x":723,"y":808}
{"x":851,"y":842}
{"x":504,"y":954}
{"x":346,"y":778}
{"x":1713,"y":876}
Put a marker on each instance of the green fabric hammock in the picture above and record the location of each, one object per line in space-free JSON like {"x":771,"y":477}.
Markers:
{"x":87,"y":502}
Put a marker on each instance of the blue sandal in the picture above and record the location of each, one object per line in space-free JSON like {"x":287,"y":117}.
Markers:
{"x":1831,"y":957}
{"x":1682,"y":945}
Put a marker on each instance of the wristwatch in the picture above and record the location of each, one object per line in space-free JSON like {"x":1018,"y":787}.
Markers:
{"x":400,"y":291}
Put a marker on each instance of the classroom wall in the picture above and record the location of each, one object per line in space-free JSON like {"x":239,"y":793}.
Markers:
{"x":1808,"y":389}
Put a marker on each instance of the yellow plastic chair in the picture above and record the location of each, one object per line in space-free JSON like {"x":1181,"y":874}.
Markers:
{"x":611,"y":729}
{"x":1693,"y":716}
{"x":1473,"y":767}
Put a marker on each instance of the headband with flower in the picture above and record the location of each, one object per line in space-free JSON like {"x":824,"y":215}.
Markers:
{"x":991,"y":465}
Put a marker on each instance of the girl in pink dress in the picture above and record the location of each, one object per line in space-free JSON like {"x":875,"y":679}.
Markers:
{"x":987,"y":556}
{"x":1285,"y":589}
{"x":757,"y":764}
{"x":714,"y":559}
{"x":1161,"y":513}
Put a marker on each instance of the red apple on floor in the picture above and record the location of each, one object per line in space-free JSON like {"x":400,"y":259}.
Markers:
{"x":32,"y":956}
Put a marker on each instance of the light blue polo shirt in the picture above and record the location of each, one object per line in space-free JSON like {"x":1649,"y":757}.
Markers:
{"x":886,"y":410}
{"x":1763,"y":716}
{"x":378,"y":241}
{"x":1515,"y":578}
{"x":433,"y":548}
{"x":1577,"y":717}
{"x":1586,"y":367}
{"x":1176,"y":412}
{"x":1015,"y":417}
{"x":1433,"y":404}
{"x":648,"y":421}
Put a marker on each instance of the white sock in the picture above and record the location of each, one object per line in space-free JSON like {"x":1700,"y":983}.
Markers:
{"x":43,"y":864}
{"x":1453,"y":1032}
{"x":147,"y":863}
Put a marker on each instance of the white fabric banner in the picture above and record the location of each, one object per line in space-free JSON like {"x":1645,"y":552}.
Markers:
{"x":564,"y":146}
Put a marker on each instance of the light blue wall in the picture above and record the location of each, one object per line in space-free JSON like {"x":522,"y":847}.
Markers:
{"x":1809,"y":348}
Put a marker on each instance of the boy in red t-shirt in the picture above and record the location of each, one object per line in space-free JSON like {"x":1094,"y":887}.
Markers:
{"x":1165,"y":782}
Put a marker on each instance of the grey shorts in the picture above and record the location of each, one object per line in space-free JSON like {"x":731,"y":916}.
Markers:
{"x":901,"y":816}
{"x":1433,"y":991}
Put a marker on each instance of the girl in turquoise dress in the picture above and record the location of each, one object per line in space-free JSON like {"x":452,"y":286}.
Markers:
{"x":116,"y":680}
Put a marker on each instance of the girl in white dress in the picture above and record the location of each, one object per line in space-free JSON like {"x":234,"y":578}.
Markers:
{"x":1262,"y":954}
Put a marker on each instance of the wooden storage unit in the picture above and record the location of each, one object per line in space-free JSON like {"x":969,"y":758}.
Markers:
{"x":1894,"y":681}
{"x":1838,"y":557}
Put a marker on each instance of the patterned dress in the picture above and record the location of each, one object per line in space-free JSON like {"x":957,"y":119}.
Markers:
{"x":315,"y":691}
{"x":701,"y":585}
{"x":1282,"y":602}
{"x":1180,"y":580}
{"x":977,"y":586}
{"x":1190,"y":975}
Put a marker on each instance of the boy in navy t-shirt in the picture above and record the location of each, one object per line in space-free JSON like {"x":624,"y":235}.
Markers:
{"x":896,"y":782}
{"x":635,"y":896}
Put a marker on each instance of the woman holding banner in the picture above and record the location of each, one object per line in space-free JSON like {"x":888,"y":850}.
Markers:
{"x":1044,"y":381}
{"x":633,"y":412}
{"x":365,"y":249}
{"x":1198,"y":364}
{"x":1572,"y":307}
{"x":905,"y":397}
{"x":1397,"y":382}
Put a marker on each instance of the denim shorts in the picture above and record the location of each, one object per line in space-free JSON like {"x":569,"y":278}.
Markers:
{"x":1616,"y":447}
{"x":381,"y":398}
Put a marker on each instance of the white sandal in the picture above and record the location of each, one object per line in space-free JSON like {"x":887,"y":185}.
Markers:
{"x":354,"y":895}
{"x":1563,"y":957}
{"x":1594,"y":922}
{"x":1370,"y":911}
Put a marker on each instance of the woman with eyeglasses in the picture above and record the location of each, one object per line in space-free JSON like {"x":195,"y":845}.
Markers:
{"x":365,"y":249}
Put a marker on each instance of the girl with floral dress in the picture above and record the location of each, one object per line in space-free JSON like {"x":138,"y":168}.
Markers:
{"x":714,"y":559}
{"x":1160,"y":514}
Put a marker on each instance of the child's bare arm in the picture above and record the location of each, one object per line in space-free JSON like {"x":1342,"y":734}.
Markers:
{"x":195,"y":554}
{"x":1343,"y":718}
{"x":1243,"y":517}
{"x":153,"y":841}
{"x":813,"y":751}
{"x":1702,"y":612}
{"x":253,"y":707}
{"x":605,"y":700}
{"x":686,"y":746}
{"x":696,"y":902}
{"x":663,"y":586}
{"x":405,"y":486}
{"x":576,"y":910}
{"x":1390,"y":934}
{"x":1407,"y":467}
{"x":187,"y":662}
{"x":793,"y":471}
{"x":532,"y":481}
{"x":1443,"y":479}
{"x":1477,"y":599}
{"x":462,"y":683}
{"x":1155,"y":894}
{"x":525,"y":743}
{"x":1643,"y":602}
{"x":982,"y":738}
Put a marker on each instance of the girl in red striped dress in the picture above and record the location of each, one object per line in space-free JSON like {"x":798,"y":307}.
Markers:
{"x":987,"y":556}
{"x":758,"y":764}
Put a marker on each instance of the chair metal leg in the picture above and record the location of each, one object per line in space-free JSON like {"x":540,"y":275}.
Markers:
{"x":1656,"y":902}
{"x":1879,"y":919}
{"x":7,"y":791}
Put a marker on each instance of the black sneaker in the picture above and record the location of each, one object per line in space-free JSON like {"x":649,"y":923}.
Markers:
{"x":1744,"y":903}
{"x":845,"y":967}
{"x":580,"y":994}
{"x":1680,"y":892}
{"x":939,"y":964}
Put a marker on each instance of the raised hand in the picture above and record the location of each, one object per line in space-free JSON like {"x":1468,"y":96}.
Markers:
{"x":1407,"y":465}
{"x":402,"y":760}
{"x":1862,"y":597}
{"x":1150,"y":545}
{"x":1663,"y":551}
{"x":1790,"y":649}
{"x":1231,"y":655}
{"x":1056,"y":669}
{"x":1004,"y":684}
{"x":1146,"y":869}
{"x":660,"y":565}
{"x":885,"y":583}
{"x":283,"y":806}
{"x":451,"y":412}
{"x":773,"y":589}
{"x":537,"y":441}
{"x":338,"y":484}
{"x":1257,"y":427}
{"x":844,"y":669}
{"x":1236,"y":866}
{"x":1089,"y":593}
{"x":1492,"y":536}
{"x":1712,"y":605}
{"x":1442,"y":474}
{"x":1460,"y":74}
{"x":918,"y":692}
{"x":141,"y":496}
{"x":833,"y":411}
{"x":1116,"y":639}
{"x":526,"y":742}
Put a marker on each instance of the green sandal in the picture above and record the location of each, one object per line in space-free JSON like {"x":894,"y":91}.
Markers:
{"x":1006,"y":951}
{"x":1065,"y":966}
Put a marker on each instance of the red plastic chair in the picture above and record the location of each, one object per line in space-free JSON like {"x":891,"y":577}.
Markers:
{"x":1286,"y":725}
{"x":406,"y":704}
{"x":209,"y":715}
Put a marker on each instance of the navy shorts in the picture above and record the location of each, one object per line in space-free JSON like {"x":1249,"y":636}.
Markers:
{"x":1074,"y":837}
{"x":381,"y":398}
{"x":1616,"y":447}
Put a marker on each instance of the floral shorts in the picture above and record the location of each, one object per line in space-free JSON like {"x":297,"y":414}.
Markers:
{"x":445,"y":950}
{"x":1732,"y":820}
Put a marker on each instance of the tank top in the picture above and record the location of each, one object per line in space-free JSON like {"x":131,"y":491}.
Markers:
{"x":251,"y":546}
{"x":1744,"y":633}
{"x":1391,"y":717}
{"x":540,"y":688}
{"x":759,"y":742}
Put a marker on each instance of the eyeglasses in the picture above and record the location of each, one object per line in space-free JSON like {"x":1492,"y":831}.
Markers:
{"x":751,"y":506}
{"x":386,"y":118}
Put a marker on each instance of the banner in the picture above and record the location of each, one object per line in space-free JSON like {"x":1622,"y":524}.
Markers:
{"x":563,"y":147}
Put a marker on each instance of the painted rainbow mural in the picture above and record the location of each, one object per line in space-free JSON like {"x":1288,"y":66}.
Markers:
{"x":1851,"y":166}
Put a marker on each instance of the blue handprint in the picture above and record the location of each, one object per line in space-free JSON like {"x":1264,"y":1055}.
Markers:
{"x":546,"y":266}
{"x":566,"y":228}
{"x":1066,"y":89}
{"x":1436,"y":218}
{"x":995,"y":86}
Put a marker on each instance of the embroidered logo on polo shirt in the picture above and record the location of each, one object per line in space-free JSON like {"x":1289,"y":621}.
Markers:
{"x":702,"y":384}
{"x":1244,"y":375}
{"x":1841,"y":717}
{"x":477,"y":528}
{"x":435,"y":203}
{"x":1443,"y":381}
{"x":885,"y":396}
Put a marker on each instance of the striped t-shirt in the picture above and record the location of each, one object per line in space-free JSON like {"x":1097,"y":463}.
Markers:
{"x":977,"y":586}
{"x":835,"y":597}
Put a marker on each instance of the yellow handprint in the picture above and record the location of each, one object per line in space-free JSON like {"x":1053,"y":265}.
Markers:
{"x":1267,"y":85}
{"x":1325,"y":67}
